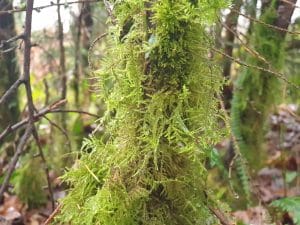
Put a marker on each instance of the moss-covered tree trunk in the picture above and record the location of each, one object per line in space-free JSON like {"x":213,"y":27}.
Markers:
{"x":257,"y":91}
{"x":9,"y":112}
{"x":159,"y":87}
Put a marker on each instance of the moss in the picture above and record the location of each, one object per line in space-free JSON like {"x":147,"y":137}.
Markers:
{"x":28,"y":185}
{"x":159,"y":87}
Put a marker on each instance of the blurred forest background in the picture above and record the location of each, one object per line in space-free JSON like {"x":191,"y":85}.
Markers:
{"x":50,"y":103}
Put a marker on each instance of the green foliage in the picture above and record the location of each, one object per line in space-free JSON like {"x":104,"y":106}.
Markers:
{"x":291,"y":205}
{"x":244,"y":177}
{"x":161,"y":120}
{"x":29,"y":185}
{"x":256,"y":91}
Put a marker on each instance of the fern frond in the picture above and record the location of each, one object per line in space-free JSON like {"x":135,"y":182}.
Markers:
{"x":291,"y":205}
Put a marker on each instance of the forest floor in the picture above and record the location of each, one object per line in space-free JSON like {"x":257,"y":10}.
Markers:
{"x":278,"y":178}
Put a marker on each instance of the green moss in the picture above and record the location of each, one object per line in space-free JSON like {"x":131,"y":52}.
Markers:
{"x":159,"y":87}
{"x":29,"y":185}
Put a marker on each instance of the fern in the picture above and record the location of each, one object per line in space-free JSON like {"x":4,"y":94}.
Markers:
{"x":291,"y":205}
{"x":244,"y":177}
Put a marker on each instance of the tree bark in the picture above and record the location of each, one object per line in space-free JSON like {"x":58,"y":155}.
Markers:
{"x":9,"y":112}
{"x":62,"y":62}
{"x":231,"y":25}
{"x":84,"y":26}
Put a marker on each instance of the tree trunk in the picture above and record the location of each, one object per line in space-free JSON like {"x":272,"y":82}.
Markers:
{"x":9,"y":112}
{"x":161,"y":119}
{"x":230,"y":28}
{"x":62,"y":63}
{"x":257,"y":91}
{"x":84,"y":25}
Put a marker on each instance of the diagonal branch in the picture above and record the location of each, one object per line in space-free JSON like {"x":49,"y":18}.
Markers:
{"x":37,"y":116}
{"x":39,"y":8}
{"x":11,"y":90}
{"x":13,"y":39}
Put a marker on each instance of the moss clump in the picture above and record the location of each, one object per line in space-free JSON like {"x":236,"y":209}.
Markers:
{"x":29,"y":185}
{"x":159,"y":87}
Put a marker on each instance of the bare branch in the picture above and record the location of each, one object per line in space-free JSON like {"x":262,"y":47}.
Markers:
{"x":36,"y":118}
{"x":100,"y":37}
{"x":50,"y":218}
{"x":11,"y":90}
{"x":63,"y":131}
{"x":13,"y":39}
{"x":74,"y":111}
{"x":38,"y":9}
{"x":270,"y":71}
{"x":109,"y":9}
{"x":41,"y":153}
{"x":9,"y":50}
{"x":274,"y":27}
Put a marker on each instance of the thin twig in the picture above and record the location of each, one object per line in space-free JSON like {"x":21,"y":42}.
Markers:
{"x":109,"y":9}
{"x":11,"y":128}
{"x":236,"y":147}
{"x":249,"y":50}
{"x":74,"y":111}
{"x":277,"y":74}
{"x":13,"y":39}
{"x":9,"y":50}
{"x":42,"y":113}
{"x":100,"y":37}
{"x":11,"y":90}
{"x":266,"y":24}
{"x":64,"y":132}
{"x":291,"y":3}
{"x":54,"y":213}
{"x":221,"y":216}
{"x":39,"y":8}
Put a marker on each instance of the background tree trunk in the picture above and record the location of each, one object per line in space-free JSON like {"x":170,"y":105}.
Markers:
{"x":256,"y":91}
{"x":9,"y":112}
{"x":84,"y":25}
{"x":230,"y":27}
